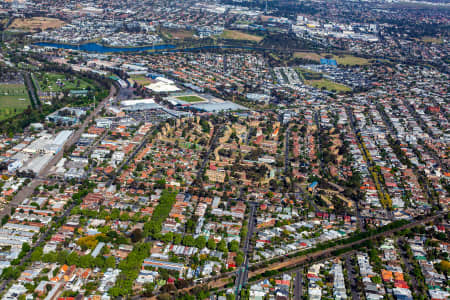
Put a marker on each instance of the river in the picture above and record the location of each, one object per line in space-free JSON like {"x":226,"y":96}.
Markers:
{"x":94,"y":47}
{"x":98,"y":48}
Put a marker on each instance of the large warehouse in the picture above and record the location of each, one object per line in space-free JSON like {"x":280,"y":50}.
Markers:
{"x":47,"y":143}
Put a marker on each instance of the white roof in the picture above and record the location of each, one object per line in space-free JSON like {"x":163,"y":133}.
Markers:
{"x":38,"y":163}
{"x":137,"y":101}
{"x":62,"y":137}
{"x":162,"y":86}
{"x":165,"y":80}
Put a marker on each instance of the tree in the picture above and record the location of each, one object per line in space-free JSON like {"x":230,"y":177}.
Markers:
{"x":233,"y":246}
{"x":188,"y":240}
{"x":99,"y":261}
{"x":148,"y":289}
{"x":239,"y":259}
{"x":167,"y":238}
{"x":136,"y":235}
{"x":110,"y":262}
{"x":444,"y":266}
{"x":130,"y":269}
{"x":10,"y":273}
{"x":37,"y":254}
{"x":72,"y":258}
{"x":124,"y":217}
{"x":85,"y":261}
{"x":115,"y":213}
{"x":190,"y":225}
{"x":88,"y":242}
{"x":222,"y":246}
{"x":211,"y":244}
{"x":160,"y":213}
{"x":177,"y":238}
{"x":200,"y":242}
{"x":25,"y":247}
{"x":5,"y":219}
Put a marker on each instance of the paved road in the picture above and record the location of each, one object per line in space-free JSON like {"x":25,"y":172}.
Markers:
{"x":211,"y":148}
{"x":300,"y":194}
{"x":298,"y":285}
{"x":318,"y":144}
{"x":127,"y":161}
{"x":408,"y":266}
{"x":286,"y":152}
{"x":248,"y":138}
{"x":368,"y":161}
{"x":352,"y":277}
{"x":242,"y":275}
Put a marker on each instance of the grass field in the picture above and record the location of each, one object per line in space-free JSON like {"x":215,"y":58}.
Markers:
{"x":340,"y":59}
{"x":13,"y":100}
{"x":350,"y":60}
{"x":141,"y":79}
{"x":308,"y":55}
{"x":328,"y":85}
{"x":36,"y":23}
{"x":239,"y":35}
{"x":53,"y":82}
{"x":190,"y":99}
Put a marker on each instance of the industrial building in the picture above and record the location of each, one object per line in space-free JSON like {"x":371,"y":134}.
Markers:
{"x":67,"y":116}
{"x":35,"y":156}
{"x":48,"y":143}
{"x":139,"y":104}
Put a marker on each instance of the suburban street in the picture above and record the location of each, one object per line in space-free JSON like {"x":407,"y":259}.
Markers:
{"x":298,"y":285}
{"x":242,"y":273}
{"x":352,"y":277}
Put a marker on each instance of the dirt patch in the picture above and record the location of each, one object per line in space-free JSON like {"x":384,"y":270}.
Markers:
{"x":36,"y":23}
{"x":178,"y":34}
